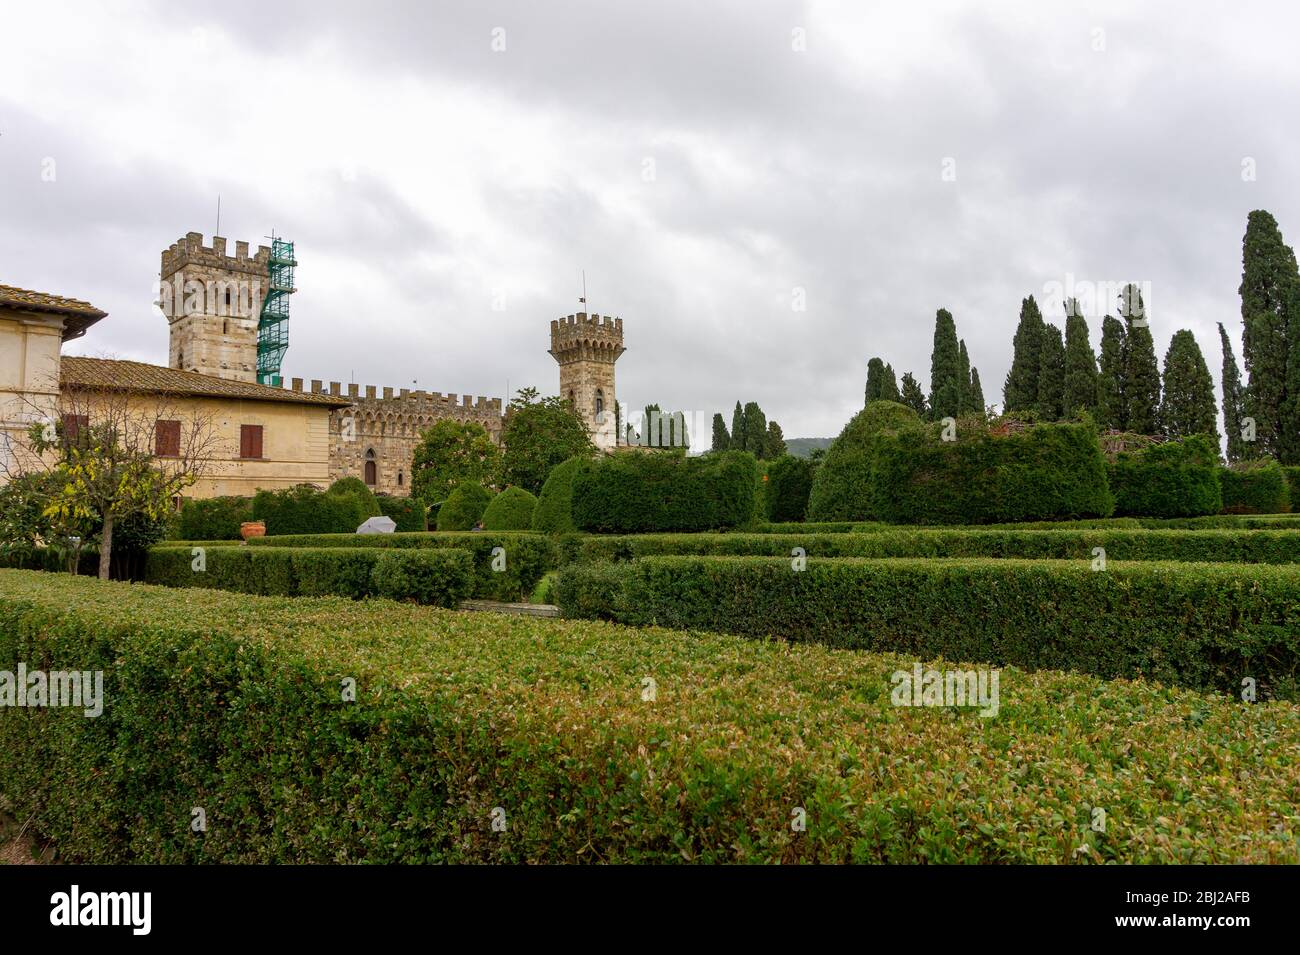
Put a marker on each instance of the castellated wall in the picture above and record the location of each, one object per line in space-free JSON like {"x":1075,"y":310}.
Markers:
{"x":384,"y":426}
{"x":212,"y":302}
{"x":586,"y":347}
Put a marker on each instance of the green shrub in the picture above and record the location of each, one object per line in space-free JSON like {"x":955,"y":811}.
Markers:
{"x":522,"y":558}
{"x":1200,"y":625}
{"x":789,"y":482}
{"x":1215,"y":546}
{"x":511,"y":510}
{"x":1174,"y":479}
{"x":842,"y":488}
{"x":1255,"y":487}
{"x":1292,"y":473}
{"x":213,"y":518}
{"x":360,"y":490}
{"x":306,"y":510}
{"x":464,"y":508}
{"x":553,"y":514}
{"x":233,"y":703}
{"x":423,"y":577}
{"x":985,"y":476}
{"x":659,"y":491}
{"x":408,"y":513}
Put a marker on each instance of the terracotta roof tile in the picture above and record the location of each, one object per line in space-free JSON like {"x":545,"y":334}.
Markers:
{"x":45,"y":302}
{"x":138,"y":376}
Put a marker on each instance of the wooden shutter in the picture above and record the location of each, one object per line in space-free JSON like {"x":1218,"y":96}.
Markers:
{"x":250,"y":440}
{"x":167,"y":439}
{"x":72,"y":425}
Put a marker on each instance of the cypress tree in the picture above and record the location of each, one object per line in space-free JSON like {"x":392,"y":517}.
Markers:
{"x":721,"y":439}
{"x":1111,"y":407}
{"x":1289,"y":436}
{"x":889,"y":385}
{"x":1232,"y":399}
{"x":1141,"y":372}
{"x":775,"y":445}
{"x":755,"y":429}
{"x":1051,"y":373}
{"x":1080,"y":364}
{"x":964,"y":403}
{"x":1020,"y":392}
{"x":912,"y":395}
{"x":1187,"y":406}
{"x":945,"y":387}
{"x":1268,"y":280}
{"x":875,"y":374}
{"x":976,"y":391}
{"x":738,"y":429}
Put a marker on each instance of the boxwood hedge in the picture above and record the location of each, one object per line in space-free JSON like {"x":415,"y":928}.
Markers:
{"x":1175,"y":479}
{"x":1255,"y":487}
{"x":1200,"y":625}
{"x":236,"y":704}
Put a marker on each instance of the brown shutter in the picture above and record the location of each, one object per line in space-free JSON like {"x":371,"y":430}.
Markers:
{"x":167,"y":439}
{"x":72,"y":425}
{"x":250,"y":440}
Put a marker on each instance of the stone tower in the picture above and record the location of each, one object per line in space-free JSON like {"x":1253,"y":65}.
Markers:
{"x":212,"y":302}
{"x":586,"y":346}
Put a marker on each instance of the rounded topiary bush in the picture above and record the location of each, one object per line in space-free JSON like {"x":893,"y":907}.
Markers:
{"x":464,"y":507}
{"x":1255,"y":487}
{"x":360,"y":490}
{"x":1173,"y":479}
{"x":842,"y":487}
{"x":511,"y":510}
{"x":554,"y":514}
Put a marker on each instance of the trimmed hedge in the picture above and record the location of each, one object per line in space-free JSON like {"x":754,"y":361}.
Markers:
{"x":1207,"y":626}
{"x":843,"y":486}
{"x":789,"y":482}
{"x":527,"y":556}
{"x":634,"y":492}
{"x":1255,"y":487}
{"x":1292,"y":473}
{"x":442,"y":577}
{"x":511,"y":510}
{"x":1174,"y":479}
{"x":215,"y":518}
{"x":554,"y":511}
{"x":360,"y":490}
{"x":464,"y":507}
{"x":305,"y":510}
{"x":234,"y":703}
{"x":408,"y":513}
{"x":1215,"y":546}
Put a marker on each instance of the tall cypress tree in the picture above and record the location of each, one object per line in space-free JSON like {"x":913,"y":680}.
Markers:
{"x":774,"y":446}
{"x":738,"y":429}
{"x":1187,"y":406}
{"x":912,"y":395}
{"x":1080,"y":364}
{"x":1112,"y":410}
{"x":721,"y":439}
{"x":945,"y":386}
{"x":1051,"y":373}
{"x":1268,"y":297}
{"x":976,"y":391}
{"x":888,"y":384}
{"x":1020,"y":392}
{"x":755,"y":429}
{"x":1232,"y":399}
{"x":1289,"y":433}
{"x":1141,"y":378}
{"x":963,"y":378}
{"x":875,"y":379}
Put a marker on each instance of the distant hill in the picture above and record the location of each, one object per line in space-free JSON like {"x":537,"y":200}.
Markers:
{"x":802,"y":447}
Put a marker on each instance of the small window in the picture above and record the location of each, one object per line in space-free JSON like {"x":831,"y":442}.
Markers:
{"x":225,"y":327}
{"x":167,"y":439}
{"x":250,"y":440}
{"x":399,"y":478}
{"x":600,"y":406}
{"x":180,"y":359}
{"x":371,"y":468}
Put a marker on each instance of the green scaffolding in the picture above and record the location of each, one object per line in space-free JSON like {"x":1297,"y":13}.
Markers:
{"x":273,"y":325}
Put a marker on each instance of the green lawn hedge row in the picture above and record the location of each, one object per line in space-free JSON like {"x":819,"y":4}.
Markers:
{"x":441,"y":577}
{"x":235,"y":704}
{"x":1200,"y":625}
{"x":1223,"y":546}
{"x":507,"y":574}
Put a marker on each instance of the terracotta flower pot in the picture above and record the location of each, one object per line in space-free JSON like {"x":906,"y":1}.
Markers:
{"x":252,"y":529}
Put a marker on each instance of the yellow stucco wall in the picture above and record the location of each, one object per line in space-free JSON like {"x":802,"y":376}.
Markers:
{"x":29,"y":375}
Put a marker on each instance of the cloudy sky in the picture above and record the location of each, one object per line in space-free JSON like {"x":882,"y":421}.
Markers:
{"x":767,"y":193}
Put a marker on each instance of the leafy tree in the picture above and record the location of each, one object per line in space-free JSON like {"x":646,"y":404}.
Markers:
{"x":945,"y":383}
{"x":1141,"y":380}
{"x":451,"y":453}
{"x":1080,"y":363}
{"x":1187,"y":407}
{"x":912,"y":395}
{"x":538,"y":434}
{"x":1112,"y":409}
{"x":25,"y":525}
{"x":738,"y":429}
{"x":976,"y":392}
{"x":774,"y":446}
{"x":721,"y":438}
{"x":1270,"y":313}
{"x":755,"y":429}
{"x":1020,"y":392}
{"x":1232,"y":399}
{"x":1051,"y":373}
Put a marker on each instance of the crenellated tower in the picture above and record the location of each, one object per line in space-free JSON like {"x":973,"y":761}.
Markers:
{"x":212,"y":302}
{"x":586,"y":347}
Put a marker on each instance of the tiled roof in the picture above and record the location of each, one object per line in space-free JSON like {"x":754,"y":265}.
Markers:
{"x":77,"y":315}
{"x":137,"y":376}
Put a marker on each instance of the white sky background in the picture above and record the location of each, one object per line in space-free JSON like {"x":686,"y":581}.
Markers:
{"x":421,"y":174}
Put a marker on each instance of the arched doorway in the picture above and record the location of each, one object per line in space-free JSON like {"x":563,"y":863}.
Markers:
{"x":372,"y":469}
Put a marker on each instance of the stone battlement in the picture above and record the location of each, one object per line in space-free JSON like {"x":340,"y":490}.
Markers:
{"x":584,"y":336}
{"x":191,"y":251}
{"x":405,"y":398}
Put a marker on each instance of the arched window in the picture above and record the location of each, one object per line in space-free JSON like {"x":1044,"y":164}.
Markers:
{"x":600,"y":406}
{"x":372,"y":469}
{"x":399,"y":478}
{"x":180,"y":359}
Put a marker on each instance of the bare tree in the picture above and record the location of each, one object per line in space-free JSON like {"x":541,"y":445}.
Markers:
{"x":115,"y":453}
